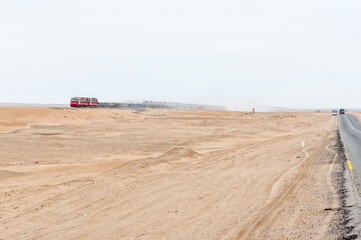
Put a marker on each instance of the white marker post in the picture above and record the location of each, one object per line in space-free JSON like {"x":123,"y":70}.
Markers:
{"x":303,"y":144}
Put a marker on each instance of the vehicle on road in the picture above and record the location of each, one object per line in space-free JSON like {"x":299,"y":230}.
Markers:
{"x":342,"y":111}
{"x":84,"y":102}
{"x":334,"y":112}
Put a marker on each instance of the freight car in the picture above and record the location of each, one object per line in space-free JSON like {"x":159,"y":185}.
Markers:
{"x":84,"y":102}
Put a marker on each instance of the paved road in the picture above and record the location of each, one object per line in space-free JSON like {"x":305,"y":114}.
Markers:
{"x":351,"y":131}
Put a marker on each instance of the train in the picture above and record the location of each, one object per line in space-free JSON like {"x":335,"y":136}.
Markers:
{"x":83,"y":102}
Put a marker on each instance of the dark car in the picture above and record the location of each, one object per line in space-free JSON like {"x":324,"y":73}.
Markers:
{"x":342,"y":111}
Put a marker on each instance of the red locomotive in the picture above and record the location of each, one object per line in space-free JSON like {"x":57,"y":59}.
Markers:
{"x":84,"y":102}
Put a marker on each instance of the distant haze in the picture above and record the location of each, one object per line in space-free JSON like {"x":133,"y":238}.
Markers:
{"x":240,"y":54}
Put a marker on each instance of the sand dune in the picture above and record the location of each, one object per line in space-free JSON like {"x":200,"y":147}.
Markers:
{"x":179,"y":153}
{"x":166,"y":174}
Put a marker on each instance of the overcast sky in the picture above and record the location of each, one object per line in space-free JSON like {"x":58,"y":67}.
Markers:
{"x":237,"y":53}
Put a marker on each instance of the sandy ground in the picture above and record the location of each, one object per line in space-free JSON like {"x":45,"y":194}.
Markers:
{"x":163,"y":174}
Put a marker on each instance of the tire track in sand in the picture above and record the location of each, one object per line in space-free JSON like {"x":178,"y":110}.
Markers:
{"x":278,"y":183}
{"x":328,"y":218}
{"x":274,"y":203}
{"x":277,"y":199}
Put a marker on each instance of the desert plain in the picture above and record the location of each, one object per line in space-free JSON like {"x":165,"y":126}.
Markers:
{"x":167,"y":174}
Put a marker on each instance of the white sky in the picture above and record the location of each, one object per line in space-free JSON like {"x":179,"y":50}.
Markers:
{"x":237,"y":53}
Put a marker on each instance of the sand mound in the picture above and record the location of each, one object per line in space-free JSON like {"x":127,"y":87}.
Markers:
{"x":178,"y":153}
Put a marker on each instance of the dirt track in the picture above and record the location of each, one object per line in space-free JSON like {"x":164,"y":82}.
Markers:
{"x":161,"y":174}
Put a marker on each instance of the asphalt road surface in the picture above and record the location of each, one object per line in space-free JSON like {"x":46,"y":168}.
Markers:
{"x":351,"y":131}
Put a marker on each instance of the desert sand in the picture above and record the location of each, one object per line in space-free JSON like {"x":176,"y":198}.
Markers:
{"x":167,"y":174}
